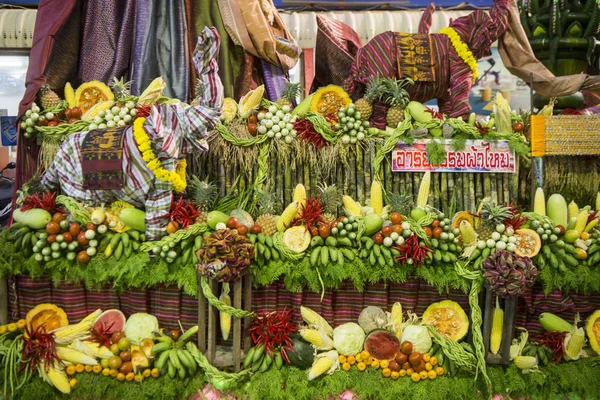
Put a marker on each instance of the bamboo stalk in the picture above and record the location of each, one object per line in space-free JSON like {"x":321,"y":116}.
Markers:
{"x":478,"y":187}
{"x":506,"y":183}
{"x":287,"y":184}
{"x":487,"y":185}
{"x":388,"y":174}
{"x":369,"y":173}
{"x":340,"y":183}
{"x":472,"y":198}
{"x":494,"y":191}
{"x":279,"y":171}
{"x":351,"y":176}
{"x":452,"y":189}
{"x":360,"y":175}
{"x":416,"y":179}
{"x":445,"y":192}
{"x":432,"y":188}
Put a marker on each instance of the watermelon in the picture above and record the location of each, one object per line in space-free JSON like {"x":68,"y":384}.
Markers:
{"x":303,"y":354}
{"x":382,"y":344}
{"x":109,"y":322}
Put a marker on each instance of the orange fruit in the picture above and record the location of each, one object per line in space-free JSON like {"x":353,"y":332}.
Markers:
{"x":97,"y":368}
{"x":88,"y":368}
{"x":129,"y":377}
{"x":70,"y":370}
{"x":79,"y":368}
{"x":386,"y":372}
{"x":155,"y":372}
{"x":120,"y":376}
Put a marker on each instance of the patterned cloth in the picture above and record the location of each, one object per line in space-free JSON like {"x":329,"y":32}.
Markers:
{"x":167,"y":125}
{"x":102,"y":159}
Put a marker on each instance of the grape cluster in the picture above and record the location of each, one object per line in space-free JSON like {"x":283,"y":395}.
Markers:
{"x":116,"y":116}
{"x":277,"y":123}
{"x":351,"y":125}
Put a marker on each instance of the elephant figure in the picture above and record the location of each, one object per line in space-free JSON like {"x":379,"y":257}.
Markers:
{"x":430,"y":60}
{"x":109,"y":166}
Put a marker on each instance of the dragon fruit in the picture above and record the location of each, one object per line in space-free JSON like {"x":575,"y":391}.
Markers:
{"x":509,"y":274}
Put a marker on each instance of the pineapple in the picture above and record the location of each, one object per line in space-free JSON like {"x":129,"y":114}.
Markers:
{"x":397,"y":98}
{"x":331,"y":198}
{"x":120,"y":88}
{"x":267,"y":201}
{"x":204,"y":194}
{"x":400,"y":202}
{"x":290,"y":94}
{"x":491,"y":215}
{"x":49,"y":98}
{"x":198,"y":92}
{"x":373,"y":92}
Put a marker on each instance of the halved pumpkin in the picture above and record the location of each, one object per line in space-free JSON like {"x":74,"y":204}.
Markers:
{"x":46,"y":316}
{"x":297,"y":238}
{"x":528,"y":243}
{"x":91,"y":93}
{"x":329,"y":99}
{"x":593,"y":331}
{"x":448,"y":318}
{"x":460,"y":217}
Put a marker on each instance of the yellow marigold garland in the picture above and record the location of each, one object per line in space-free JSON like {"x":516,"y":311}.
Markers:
{"x":144,"y":144}
{"x":462,"y":50}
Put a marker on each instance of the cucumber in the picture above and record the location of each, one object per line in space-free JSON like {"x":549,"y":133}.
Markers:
{"x":331,"y":242}
{"x":349,"y":254}
{"x":269,"y":241}
{"x":333,"y":254}
{"x":324,"y":256}
{"x":314,"y":256}
{"x":344,"y":241}
{"x":261,"y":238}
{"x":340,"y":259}
{"x":377,"y":250}
{"x":372,"y":259}
{"x":316,"y":241}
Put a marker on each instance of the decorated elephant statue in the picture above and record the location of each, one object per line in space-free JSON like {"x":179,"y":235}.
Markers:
{"x":144,"y":164}
{"x":443,"y":66}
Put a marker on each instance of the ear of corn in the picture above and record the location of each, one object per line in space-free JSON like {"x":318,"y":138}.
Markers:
{"x":526,"y":362}
{"x":55,"y":377}
{"x":153,"y":92}
{"x":251,"y":101}
{"x":574,"y":342}
{"x":74,"y":356}
{"x":351,"y":207}
{"x":539,"y":205}
{"x":497,"y":325}
{"x":286,"y":218}
{"x":317,"y":337}
{"x":299,"y":197}
{"x":314,"y":320}
{"x":395,"y":319}
{"x":325,"y":363}
{"x":572,"y":210}
{"x":582,"y":219}
{"x":376,"y":197}
{"x":95,"y":349}
{"x":424,"y":190}
{"x":467,"y":232}
{"x":225,"y":317}
{"x":67,"y":334}
{"x":70,"y":95}
{"x":93,"y":112}
{"x":229,"y":109}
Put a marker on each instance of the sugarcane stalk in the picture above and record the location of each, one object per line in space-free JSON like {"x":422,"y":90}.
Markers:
{"x":351,"y":174}
{"x":478,"y":187}
{"x":368,"y":163}
{"x":472,"y":200}
{"x":487,"y":184}
{"x":360,"y":175}
{"x":340,"y":183}
{"x":416,"y":179}
{"x":278,"y":168}
{"x":494,"y":191}
{"x":506,"y":185}
{"x":287,"y":184}
{"x":306,"y":171}
{"x":388,"y":173}
{"x":445,"y":192}
{"x":222,"y":176}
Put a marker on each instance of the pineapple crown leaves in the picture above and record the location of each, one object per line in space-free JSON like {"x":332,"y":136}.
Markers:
{"x":331,"y":197}
{"x":492,"y":214}
{"x":120,"y":88}
{"x":267,"y":201}
{"x":291,"y":91}
{"x":400,"y":202}
{"x":395,"y":93}
{"x":203,"y":193}
{"x":375,"y":89}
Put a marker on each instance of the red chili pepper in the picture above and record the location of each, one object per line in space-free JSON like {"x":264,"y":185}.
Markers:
{"x":554,"y":341}
{"x":307,"y":133}
{"x":311,"y":213}
{"x":411,"y":249}
{"x":434,"y":113}
{"x":47,"y":202}
{"x":184,"y":213}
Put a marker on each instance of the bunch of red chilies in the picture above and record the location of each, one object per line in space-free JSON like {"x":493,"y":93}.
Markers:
{"x":39,"y":349}
{"x":307,"y":133}
{"x":554,"y":341}
{"x":516,"y":219}
{"x":411,"y":249}
{"x":310,"y":213}
{"x":47,"y":202}
{"x":273,"y":330}
{"x":184,"y":213}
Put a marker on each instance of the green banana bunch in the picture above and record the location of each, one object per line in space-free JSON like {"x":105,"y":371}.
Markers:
{"x":259,"y":360}
{"x":182,"y":252}
{"x":121,"y":244}
{"x":172,"y":357}
{"x":264,"y":249}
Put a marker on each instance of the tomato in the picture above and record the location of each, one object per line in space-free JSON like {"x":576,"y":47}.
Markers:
{"x":415,"y":358}
{"x":53,"y":228}
{"x":74,"y":229}
{"x":172,"y":227}
{"x":437,"y":231}
{"x":435,"y":223}
{"x":420,"y":367}
{"x":396,"y":218}
{"x":73,"y":120}
{"x":242,"y":230}
{"x":394,"y":366}
{"x":324,"y":231}
{"x":252,"y":128}
{"x":518,"y":127}
{"x":561,"y":229}
{"x":43,"y":122}
{"x":83,"y":257}
{"x":68,"y":113}
{"x":428,"y":231}
{"x":51,"y":239}
{"x":232,"y":223}
{"x":397,"y":228}
{"x":175,"y":332}
{"x":386,"y":230}
{"x":256,"y":229}
{"x":406,"y":347}
{"x":406,"y":366}
{"x":76,"y":112}
{"x":58,"y":217}
{"x":90,"y":226}
{"x":378,"y":238}
{"x":81,"y":239}
{"x":52,"y":123}
{"x":401,"y":358}
{"x":68,"y":237}
{"x":314,"y":231}
{"x":252,"y":119}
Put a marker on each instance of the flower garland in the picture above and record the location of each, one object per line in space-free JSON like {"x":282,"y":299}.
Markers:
{"x":462,"y":50}
{"x":144,"y":144}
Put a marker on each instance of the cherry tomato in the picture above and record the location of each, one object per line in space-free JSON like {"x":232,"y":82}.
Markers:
{"x":43,"y":122}
{"x":435,"y":223}
{"x":437,"y":231}
{"x":83,"y":257}
{"x":68,"y":113}
{"x":314,"y":231}
{"x":256,"y":229}
{"x":428,"y":231}
{"x":386,"y":230}
{"x":401,"y":358}
{"x":378,"y":238}
{"x":252,"y":119}
{"x":51,"y":239}
{"x":232,"y":223}
{"x":81,"y":239}
{"x":242,"y":230}
{"x":518,"y":127}
{"x":396,"y":218}
{"x":52,"y":123}
{"x":58,"y":217}
{"x":252,"y":128}
{"x":415,"y":358}
{"x":73,"y":120}
{"x":74,"y":229}
{"x":68,"y":237}
{"x":397,"y":228}
{"x":90,"y":226}
{"x":406,"y":347}
{"x":324,"y":231}
{"x":76,"y":112}
{"x":53,"y":228}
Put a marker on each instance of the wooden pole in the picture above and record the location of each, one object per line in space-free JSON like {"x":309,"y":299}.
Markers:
{"x":201,"y":318}
{"x":3,"y":301}
{"x":237,"y":326}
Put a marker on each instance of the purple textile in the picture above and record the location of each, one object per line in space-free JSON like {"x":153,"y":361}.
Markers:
{"x":274,"y":79}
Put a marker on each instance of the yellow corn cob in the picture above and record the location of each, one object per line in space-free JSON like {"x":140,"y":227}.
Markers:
{"x":467,"y":232}
{"x":376,"y":197}
{"x":317,"y":337}
{"x":153,"y":92}
{"x":56,"y":377}
{"x":225,"y":317}
{"x":574,"y":342}
{"x":94,"y":349}
{"x":74,"y":356}
{"x":314,"y":320}
{"x":67,"y":334}
{"x":582,"y":219}
{"x":93,"y":112}
{"x":229,"y":109}
{"x":299,"y":197}
{"x":70,"y":95}
{"x":396,"y":319}
{"x":497,"y":325}
{"x":351,"y":207}
{"x":539,"y":205}
{"x":325,"y":363}
{"x":251,"y":101}
{"x":287,"y":216}
{"x":572,"y":210}
{"x":424,"y":190}
{"x":598,"y":201}
{"x":526,"y":362}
